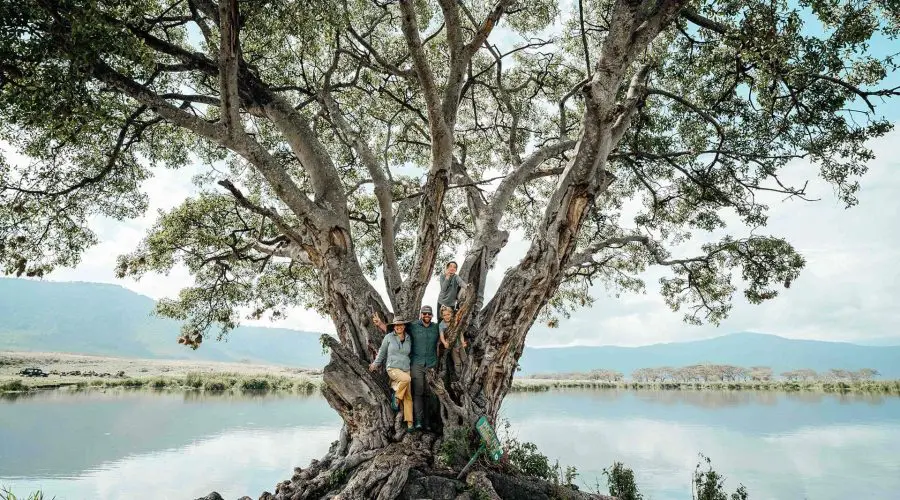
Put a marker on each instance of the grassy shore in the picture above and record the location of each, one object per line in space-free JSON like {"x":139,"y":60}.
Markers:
{"x":876,"y":386}
{"x":101,"y":372}
{"x":213,"y":382}
{"x":83,"y":372}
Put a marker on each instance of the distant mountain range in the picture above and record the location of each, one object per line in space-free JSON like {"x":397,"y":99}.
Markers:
{"x":109,"y":320}
{"x":740,"y":349}
{"x":102,"y":319}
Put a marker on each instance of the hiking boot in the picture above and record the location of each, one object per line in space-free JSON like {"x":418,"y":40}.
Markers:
{"x":394,"y":405}
{"x":418,"y":426}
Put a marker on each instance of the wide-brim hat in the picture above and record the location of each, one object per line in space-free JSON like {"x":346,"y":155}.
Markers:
{"x":397,"y":320}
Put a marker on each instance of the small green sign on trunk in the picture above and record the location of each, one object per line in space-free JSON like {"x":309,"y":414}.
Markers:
{"x":490,"y":444}
{"x":489,"y":437}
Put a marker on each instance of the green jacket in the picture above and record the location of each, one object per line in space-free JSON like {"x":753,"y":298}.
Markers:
{"x":396,"y":352}
{"x":425,"y":341}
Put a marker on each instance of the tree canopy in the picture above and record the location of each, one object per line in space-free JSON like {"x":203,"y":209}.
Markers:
{"x":429,"y":125}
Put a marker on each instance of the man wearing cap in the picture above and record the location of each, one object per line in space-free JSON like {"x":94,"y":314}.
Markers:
{"x":425,"y":334}
{"x":395,"y":350}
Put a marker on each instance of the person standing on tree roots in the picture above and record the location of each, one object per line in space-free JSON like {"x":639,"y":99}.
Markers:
{"x":395,"y":350}
{"x":457,"y":353}
{"x":451,"y":284}
{"x":425,"y":335}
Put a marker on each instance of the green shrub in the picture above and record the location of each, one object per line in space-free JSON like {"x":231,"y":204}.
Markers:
{"x":159,"y":383}
{"x":456,"y":449}
{"x":13,"y":386}
{"x":526,"y":459}
{"x":193,"y":379}
{"x":620,"y":480}
{"x":215,"y":385}
{"x":710,"y":485}
{"x":7,"y":494}
{"x":255,"y":384}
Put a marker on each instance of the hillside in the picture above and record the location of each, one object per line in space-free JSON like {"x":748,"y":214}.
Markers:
{"x":741,"y":349}
{"x":101,"y":319}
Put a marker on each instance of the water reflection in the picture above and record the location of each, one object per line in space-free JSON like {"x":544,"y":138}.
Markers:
{"x":137,"y":444}
{"x":14,"y":396}
{"x":791,"y":446}
{"x":235,"y":464}
{"x":58,"y":434}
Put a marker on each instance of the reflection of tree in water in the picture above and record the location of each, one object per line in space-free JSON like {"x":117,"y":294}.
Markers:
{"x":604,"y":395}
{"x":14,"y":396}
{"x":710,"y":399}
{"x":726,"y":399}
{"x":872,"y":398}
{"x":201,"y":396}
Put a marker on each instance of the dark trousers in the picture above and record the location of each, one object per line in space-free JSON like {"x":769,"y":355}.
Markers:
{"x":423,"y":399}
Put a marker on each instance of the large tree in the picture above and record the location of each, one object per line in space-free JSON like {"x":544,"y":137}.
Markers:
{"x":349,"y":142}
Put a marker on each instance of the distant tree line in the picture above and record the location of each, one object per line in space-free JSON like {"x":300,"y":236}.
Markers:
{"x":716,"y":373}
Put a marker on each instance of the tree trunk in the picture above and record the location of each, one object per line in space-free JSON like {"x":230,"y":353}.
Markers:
{"x":375,"y":457}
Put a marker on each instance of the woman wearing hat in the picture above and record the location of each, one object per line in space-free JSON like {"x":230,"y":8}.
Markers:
{"x":395,"y":350}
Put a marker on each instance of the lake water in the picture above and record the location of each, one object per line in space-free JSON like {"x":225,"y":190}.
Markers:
{"x":144,"y":445}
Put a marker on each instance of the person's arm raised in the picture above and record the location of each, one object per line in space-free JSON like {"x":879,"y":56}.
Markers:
{"x":378,"y":323}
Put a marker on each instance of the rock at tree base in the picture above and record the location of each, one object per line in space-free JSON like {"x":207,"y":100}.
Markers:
{"x":509,"y":487}
{"x":212,"y":496}
{"x":420,"y":486}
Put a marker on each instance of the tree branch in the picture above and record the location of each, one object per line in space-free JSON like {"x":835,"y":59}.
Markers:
{"x":289,"y":250}
{"x":720,"y":131}
{"x":269,"y":213}
{"x":284,"y":186}
{"x":521,"y":173}
{"x":392,"y":276}
{"x":861,"y":93}
{"x":636,"y":92}
{"x":474,"y":197}
{"x":229,"y":66}
{"x":691,"y":15}
{"x":485,"y":30}
{"x":584,"y":42}
{"x":384,"y":63}
{"x":420,"y":63}
{"x":107,"y":168}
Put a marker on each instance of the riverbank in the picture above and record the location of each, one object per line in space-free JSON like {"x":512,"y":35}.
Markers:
{"x":872,"y":386}
{"x":83,"y":371}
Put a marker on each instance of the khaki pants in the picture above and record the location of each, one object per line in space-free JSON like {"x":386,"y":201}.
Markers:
{"x":458,"y":357}
{"x":400,"y":383}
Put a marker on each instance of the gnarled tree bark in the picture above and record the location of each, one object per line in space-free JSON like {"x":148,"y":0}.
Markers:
{"x":373,"y":439}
